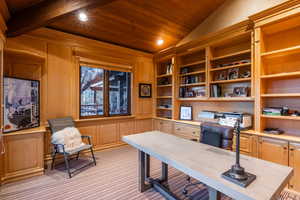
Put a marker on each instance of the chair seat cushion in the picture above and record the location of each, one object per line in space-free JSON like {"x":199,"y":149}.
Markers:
{"x":70,"y":137}
{"x":76,"y":150}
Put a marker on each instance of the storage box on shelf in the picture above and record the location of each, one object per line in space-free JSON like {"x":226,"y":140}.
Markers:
{"x":192,"y":74}
{"x":230,"y":68}
{"x":164,"y":80}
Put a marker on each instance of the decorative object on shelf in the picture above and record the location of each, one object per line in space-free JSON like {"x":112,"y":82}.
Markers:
{"x":275,"y":131}
{"x":21,"y":104}
{"x":296,"y":114}
{"x":186,"y":113}
{"x":241,"y":91}
{"x":245,"y":74}
{"x":199,"y":91}
{"x":184,"y":70}
{"x":221,"y":76}
{"x":145,"y":90}
{"x":163,"y":81}
{"x":233,"y":74}
{"x":245,"y":61}
{"x":237,"y":174}
{"x":230,"y":118}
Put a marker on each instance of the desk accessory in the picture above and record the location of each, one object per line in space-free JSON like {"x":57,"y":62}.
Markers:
{"x":237,"y":174}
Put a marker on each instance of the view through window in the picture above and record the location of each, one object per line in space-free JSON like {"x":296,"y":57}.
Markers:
{"x":95,"y":84}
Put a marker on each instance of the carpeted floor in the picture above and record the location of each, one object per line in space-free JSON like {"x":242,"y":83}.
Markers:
{"x":114,"y":178}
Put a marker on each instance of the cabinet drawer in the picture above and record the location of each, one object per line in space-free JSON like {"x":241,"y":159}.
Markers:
{"x":166,"y":126}
{"x":245,"y":144}
{"x":187,"y":131}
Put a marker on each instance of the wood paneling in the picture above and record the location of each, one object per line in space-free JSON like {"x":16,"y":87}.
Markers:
{"x":139,"y":23}
{"x":16,"y":5}
{"x":45,"y":12}
{"x":143,"y":125}
{"x":20,"y":164}
{"x":109,"y":133}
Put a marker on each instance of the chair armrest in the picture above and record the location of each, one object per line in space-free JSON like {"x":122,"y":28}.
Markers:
{"x":88,"y":137}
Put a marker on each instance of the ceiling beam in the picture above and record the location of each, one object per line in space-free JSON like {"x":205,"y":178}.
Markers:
{"x":46,"y":12}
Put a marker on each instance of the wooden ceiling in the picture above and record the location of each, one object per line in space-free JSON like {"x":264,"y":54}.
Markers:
{"x":136,"y":24}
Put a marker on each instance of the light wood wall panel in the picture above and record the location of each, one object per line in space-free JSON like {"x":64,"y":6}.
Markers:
{"x":59,"y":82}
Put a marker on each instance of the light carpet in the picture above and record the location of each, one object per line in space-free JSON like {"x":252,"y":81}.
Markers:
{"x":114,"y":178}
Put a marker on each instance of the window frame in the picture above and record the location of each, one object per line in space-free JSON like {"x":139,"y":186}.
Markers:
{"x":106,"y":96}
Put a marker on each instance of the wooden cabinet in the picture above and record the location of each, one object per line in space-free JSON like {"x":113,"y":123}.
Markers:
{"x":24,"y":155}
{"x":273,"y":150}
{"x":163,"y":126}
{"x":294,"y":162}
{"x":187,"y":131}
{"x":248,"y":144}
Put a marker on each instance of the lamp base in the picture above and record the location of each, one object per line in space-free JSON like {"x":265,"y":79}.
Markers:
{"x":238,"y":176}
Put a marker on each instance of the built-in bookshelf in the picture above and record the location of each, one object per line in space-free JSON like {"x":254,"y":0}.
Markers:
{"x":164,"y":87}
{"x":279,"y":74}
{"x":230,"y":69}
{"x":192,"y":76}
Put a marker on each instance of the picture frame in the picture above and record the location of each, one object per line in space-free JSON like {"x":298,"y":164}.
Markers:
{"x":145,"y":90}
{"x":186,"y":113}
{"x":21,"y":99}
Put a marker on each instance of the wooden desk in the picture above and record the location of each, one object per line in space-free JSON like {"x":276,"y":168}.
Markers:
{"x":206,"y":164}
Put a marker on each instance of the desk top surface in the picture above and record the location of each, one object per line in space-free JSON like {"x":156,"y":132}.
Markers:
{"x":206,"y":164}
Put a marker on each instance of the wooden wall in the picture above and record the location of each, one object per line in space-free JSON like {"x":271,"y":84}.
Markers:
{"x":53,"y":58}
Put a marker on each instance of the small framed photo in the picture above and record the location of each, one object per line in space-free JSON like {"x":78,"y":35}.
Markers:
{"x":145,"y":90}
{"x":186,"y":113}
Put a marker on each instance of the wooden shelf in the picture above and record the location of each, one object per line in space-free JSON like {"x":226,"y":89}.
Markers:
{"x":160,"y":86}
{"x":229,"y":67}
{"x":164,"y":97}
{"x":193,"y":73}
{"x":192,"y":84}
{"x":281,"y":117}
{"x":193,"y":63}
{"x":216,"y":99}
{"x":231,"y":99}
{"x":281,"y":75}
{"x":193,"y":99}
{"x":158,"y":108}
{"x":281,"y":95}
{"x":163,"y":75}
{"x":281,"y":52}
{"x":232,"y":81}
{"x":232,"y":54}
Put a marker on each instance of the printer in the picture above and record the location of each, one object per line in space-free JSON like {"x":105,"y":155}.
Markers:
{"x":229,"y":119}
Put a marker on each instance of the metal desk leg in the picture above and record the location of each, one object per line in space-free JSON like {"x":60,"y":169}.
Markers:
{"x":214,"y":194}
{"x":142,"y":172}
{"x":164,"y":172}
{"x":147,"y":165}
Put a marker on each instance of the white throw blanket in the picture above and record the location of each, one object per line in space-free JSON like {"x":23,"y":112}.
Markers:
{"x":70,"y":137}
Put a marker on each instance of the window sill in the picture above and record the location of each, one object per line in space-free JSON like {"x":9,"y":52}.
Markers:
{"x":106,"y":118}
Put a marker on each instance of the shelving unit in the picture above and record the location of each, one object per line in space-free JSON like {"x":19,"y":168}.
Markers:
{"x":230,"y":68}
{"x":192,"y":76}
{"x":164,"y":87}
{"x":279,"y":74}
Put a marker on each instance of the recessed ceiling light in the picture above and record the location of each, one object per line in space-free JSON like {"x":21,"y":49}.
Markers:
{"x":159,"y":42}
{"x":82,"y":17}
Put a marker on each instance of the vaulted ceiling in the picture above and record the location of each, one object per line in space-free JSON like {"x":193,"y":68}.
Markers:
{"x":136,"y":24}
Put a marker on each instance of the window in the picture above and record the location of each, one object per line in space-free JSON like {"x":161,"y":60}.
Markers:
{"x":104,"y":92}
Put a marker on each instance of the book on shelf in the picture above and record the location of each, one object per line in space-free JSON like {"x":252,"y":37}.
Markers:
{"x":216,"y":90}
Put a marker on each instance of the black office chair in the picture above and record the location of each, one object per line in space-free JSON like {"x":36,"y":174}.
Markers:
{"x":215,"y":135}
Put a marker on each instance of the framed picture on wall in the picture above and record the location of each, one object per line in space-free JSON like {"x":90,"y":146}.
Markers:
{"x":21,"y":104}
{"x":145,"y":90}
{"x":186,"y":113}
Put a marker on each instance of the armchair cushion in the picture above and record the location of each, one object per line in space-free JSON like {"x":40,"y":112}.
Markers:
{"x":69,"y":137}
